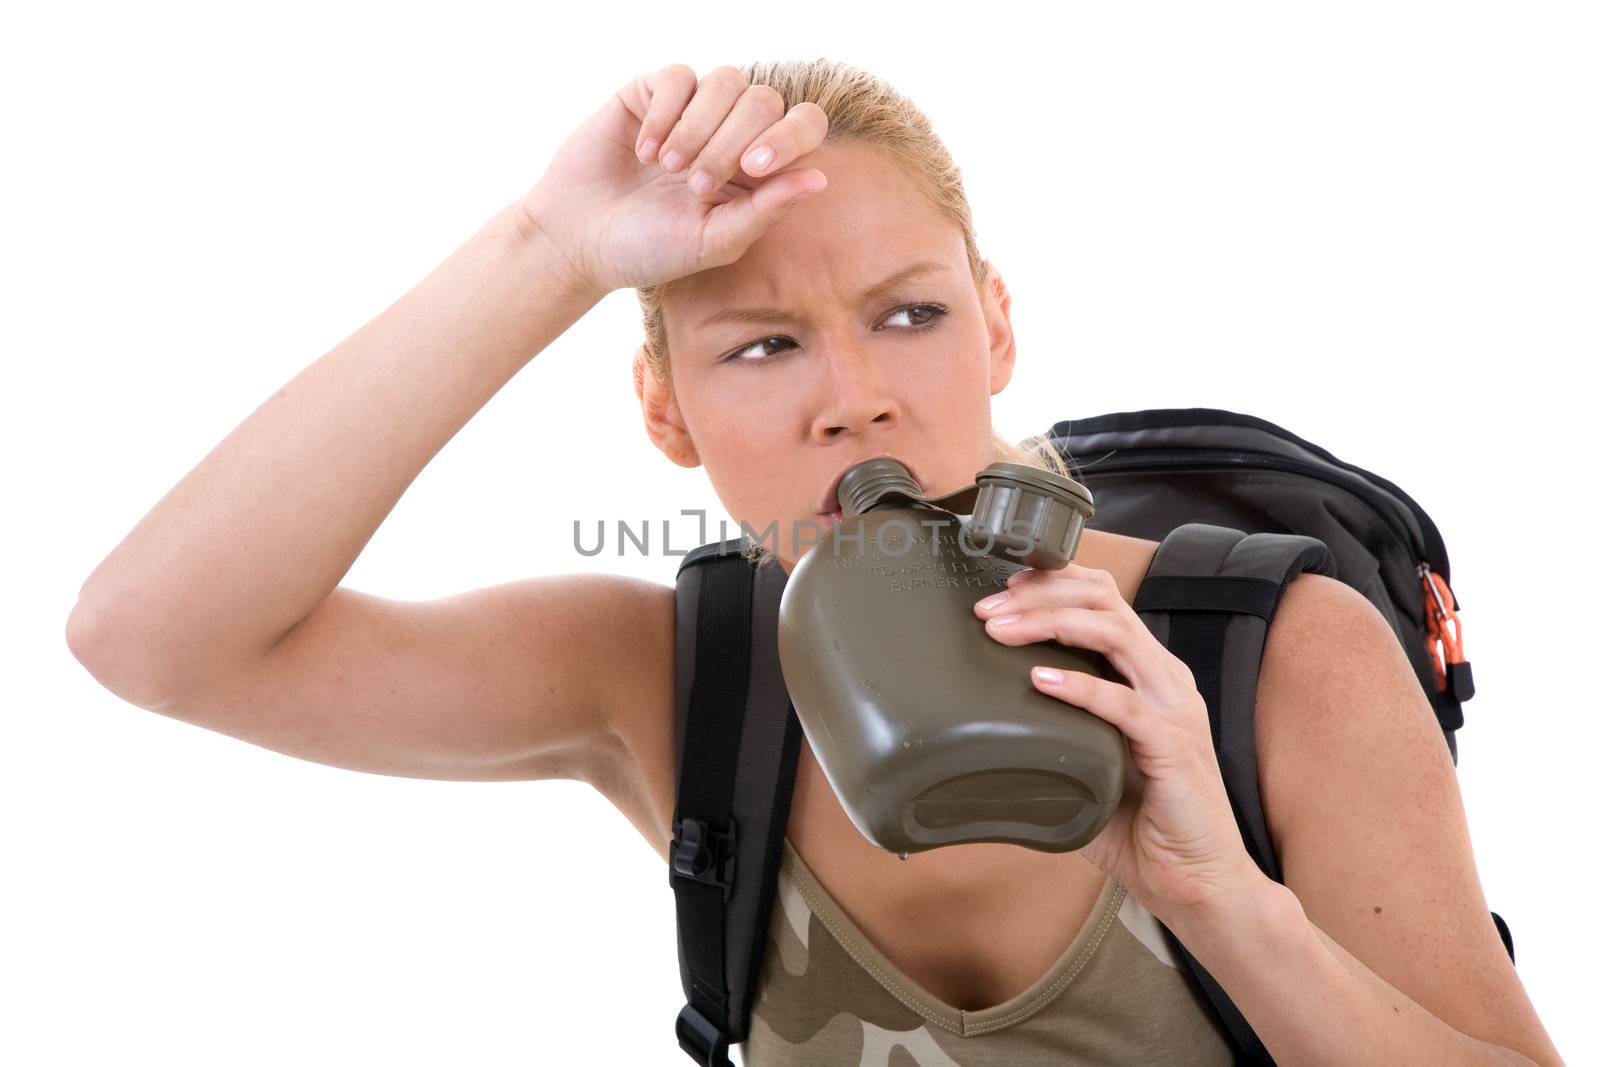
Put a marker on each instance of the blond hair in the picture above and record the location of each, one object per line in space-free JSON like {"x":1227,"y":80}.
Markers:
{"x":862,"y":109}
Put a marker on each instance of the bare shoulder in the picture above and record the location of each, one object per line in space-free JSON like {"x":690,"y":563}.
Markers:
{"x":1365,"y":813}
{"x":1127,"y":559}
{"x":1320,"y":625}
{"x":1336,"y":692}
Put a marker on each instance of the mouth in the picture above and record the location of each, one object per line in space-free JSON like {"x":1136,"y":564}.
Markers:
{"x":830,"y":509}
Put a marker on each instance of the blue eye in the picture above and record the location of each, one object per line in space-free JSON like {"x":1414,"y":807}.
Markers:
{"x":934,"y":313}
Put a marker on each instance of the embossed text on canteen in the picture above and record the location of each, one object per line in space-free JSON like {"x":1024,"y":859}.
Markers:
{"x":895,"y":537}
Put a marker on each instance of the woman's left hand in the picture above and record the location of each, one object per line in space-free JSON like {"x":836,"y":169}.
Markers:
{"x":1173,"y":840}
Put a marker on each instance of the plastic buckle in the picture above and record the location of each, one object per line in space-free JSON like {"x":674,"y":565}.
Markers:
{"x":701,"y":854}
{"x":701,"y":1039}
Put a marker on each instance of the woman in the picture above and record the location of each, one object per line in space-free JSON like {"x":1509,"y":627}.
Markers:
{"x":812,"y":200}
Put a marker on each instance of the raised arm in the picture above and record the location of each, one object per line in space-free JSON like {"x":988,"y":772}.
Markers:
{"x":243,"y":549}
{"x":222,"y":607}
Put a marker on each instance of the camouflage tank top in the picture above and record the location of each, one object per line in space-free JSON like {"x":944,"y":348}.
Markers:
{"x":827,"y":996}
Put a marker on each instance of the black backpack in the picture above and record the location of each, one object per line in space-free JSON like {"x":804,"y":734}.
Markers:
{"x":1258,"y":506}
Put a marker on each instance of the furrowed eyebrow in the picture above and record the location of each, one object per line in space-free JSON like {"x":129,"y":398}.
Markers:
{"x":756,"y":316}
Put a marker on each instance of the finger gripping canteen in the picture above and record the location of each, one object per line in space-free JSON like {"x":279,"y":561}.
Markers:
{"x":929,"y":730}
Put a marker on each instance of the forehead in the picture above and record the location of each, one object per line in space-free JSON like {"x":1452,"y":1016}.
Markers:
{"x":870,"y":221}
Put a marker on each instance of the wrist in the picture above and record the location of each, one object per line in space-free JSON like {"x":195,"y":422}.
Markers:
{"x":1256,"y":911}
{"x":544,"y":257}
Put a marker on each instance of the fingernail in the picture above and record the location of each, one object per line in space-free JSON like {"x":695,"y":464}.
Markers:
{"x":672,"y":161}
{"x":700,"y":182}
{"x":756,"y":162}
{"x":993,"y":601}
{"x":1003,"y":620}
{"x":1046,"y":675}
{"x":647,"y":149}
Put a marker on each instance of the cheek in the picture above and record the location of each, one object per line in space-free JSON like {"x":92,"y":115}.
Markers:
{"x":960,"y":401}
{"x":957,"y":386}
{"x":727,"y":415}
{"x":960,"y":350}
{"x":739,"y":426}
{"x":749,"y":459}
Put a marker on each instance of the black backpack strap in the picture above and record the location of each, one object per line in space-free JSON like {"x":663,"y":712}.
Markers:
{"x":738,"y":743}
{"x":1209,"y":597}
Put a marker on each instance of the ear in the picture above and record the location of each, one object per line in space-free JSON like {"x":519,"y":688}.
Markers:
{"x":662,"y":419}
{"x":1002,"y":343}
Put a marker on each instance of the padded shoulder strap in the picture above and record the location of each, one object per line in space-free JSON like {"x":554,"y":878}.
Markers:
{"x":1209,"y":597}
{"x":737,"y":745}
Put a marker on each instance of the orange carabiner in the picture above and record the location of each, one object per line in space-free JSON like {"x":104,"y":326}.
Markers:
{"x":1444,"y":625}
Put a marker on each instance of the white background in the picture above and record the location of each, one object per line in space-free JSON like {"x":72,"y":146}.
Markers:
{"x":1374,"y":224}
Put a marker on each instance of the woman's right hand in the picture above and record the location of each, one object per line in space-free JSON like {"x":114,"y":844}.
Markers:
{"x":622,"y":219}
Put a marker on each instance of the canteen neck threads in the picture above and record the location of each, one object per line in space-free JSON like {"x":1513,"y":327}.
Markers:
{"x":866,"y":484}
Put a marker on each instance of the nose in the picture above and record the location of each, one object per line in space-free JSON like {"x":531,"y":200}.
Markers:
{"x":856,"y":395}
